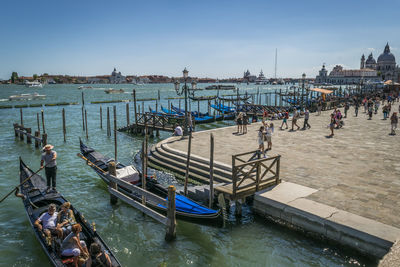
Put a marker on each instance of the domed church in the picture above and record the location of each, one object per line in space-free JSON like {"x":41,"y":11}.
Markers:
{"x":385,"y":65}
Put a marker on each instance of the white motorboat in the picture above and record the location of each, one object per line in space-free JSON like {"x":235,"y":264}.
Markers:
{"x":26,"y":96}
{"x":35,"y":83}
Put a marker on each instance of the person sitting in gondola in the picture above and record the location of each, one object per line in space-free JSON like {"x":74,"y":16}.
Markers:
{"x":73,"y":246}
{"x":97,"y":257}
{"x":65,"y":220}
{"x":47,"y":222}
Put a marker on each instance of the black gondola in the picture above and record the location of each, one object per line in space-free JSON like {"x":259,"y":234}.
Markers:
{"x":186,"y":209}
{"x":36,"y":202}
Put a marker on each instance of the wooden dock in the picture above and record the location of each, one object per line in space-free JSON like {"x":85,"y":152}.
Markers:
{"x":152,"y":122}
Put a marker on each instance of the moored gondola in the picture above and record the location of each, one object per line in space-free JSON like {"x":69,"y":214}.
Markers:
{"x":36,"y":201}
{"x":186,"y":209}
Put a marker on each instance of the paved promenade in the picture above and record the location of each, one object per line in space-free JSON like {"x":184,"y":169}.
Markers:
{"x":358,"y":170}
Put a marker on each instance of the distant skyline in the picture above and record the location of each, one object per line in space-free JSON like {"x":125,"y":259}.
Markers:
{"x":217,"y":39}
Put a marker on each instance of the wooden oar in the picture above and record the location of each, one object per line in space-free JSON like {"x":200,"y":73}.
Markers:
{"x":90,"y":163}
{"x":24,"y":181}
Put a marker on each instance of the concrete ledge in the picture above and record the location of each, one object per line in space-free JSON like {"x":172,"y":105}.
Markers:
{"x":287,"y":203}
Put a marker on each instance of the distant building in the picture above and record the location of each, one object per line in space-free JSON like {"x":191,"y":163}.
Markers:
{"x":116,"y":77}
{"x":247,"y":77}
{"x":370,"y":71}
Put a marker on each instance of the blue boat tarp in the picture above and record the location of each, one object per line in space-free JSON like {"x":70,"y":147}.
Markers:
{"x":223,"y":108}
{"x":184,"y":204}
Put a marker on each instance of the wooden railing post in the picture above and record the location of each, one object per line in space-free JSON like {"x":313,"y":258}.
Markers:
{"x":112,"y":170}
{"x":86,"y":128}
{"x":134,"y":103}
{"x":44,"y":129}
{"x":21,"y":134}
{"x":258,"y":173}
{"x":171,"y":220}
{"x":278,"y":168}
{"x":101,"y":118}
{"x":234,"y":178}
{"x":144,"y":165}
{"x":28,"y":137}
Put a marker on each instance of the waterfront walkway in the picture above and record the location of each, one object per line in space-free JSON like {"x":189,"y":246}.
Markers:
{"x":356,"y":171}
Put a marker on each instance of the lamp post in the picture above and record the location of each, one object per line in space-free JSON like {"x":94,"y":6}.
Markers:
{"x":302,"y":89}
{"x":184,"y":90}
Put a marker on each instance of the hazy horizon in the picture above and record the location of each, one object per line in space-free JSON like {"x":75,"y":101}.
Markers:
{"x":215,"y":39}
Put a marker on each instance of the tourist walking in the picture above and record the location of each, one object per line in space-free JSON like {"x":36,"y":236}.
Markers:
{"x":385,"y":112}
{"x":268,"y":135}
{"x":370,"y":112}
{"x":306,"y":117}
{"x":332,"y":124}
{"x":346,"y":108}
{"x":50,"y":166}
{"x":319,"y":107}
{"x":239,"y":122}
{"x":245,"y":120}
{"x":296,"y":115}
{"x":356,"y":107}
{"x":394,"y":119}
{"x":285,"y":118}
{"x":260,"y":140}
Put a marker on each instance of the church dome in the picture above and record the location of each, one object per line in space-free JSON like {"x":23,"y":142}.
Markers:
{"x":386,"y":56}
{"x":370,"y":60}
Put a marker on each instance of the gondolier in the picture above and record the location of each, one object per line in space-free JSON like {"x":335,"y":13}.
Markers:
{"x":50,"y":164}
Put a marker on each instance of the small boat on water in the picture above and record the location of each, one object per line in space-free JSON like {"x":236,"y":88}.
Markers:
{"x":186,"y":209}
{"x":220,"y":87}
{"x":26,"y":97}
{"x":114,"y":91}
{"x":85,"y":87}
{"x":36,"y":201}
{"x":35,"y":84}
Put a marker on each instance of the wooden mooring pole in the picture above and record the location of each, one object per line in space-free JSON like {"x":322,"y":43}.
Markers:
{"x":171,"y":221}
{"x":83,"y":118}
{"x":127,"y":114}
{"x":187,"y":164}
{"x":115,"y":133}
{"x":108,"y":122}
{"x":144,"y":164}
{"x":44,"y":129}
{"x":211,"y":200}
{"x":112,"y":170}
{"x":101,"y":118}
{"x":134,"y":102}
{"x":22,"y":117}
{"x":87,"y":134}
{"x":38,"y":122}
{"x":63,"y":124}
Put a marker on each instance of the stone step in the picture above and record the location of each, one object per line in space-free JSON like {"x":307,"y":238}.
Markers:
{"x":199,"y":160}
{"x":193,"y":163}
{"x":180,"y":168}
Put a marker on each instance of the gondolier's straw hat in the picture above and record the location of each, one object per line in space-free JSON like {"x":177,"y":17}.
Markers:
{"x":48,"y":147}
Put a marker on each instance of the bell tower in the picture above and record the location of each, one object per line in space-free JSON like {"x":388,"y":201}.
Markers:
{"x":362,"y":64}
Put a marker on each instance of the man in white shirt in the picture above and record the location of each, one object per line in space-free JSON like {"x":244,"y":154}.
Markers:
{"x":178,"y":131}
{"x":47,"y":222}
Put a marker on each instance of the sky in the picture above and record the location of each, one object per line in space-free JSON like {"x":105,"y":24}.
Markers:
{"x":217,"y":39}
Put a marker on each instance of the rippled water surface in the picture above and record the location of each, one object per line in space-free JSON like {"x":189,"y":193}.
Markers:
{"x":137,"y":240}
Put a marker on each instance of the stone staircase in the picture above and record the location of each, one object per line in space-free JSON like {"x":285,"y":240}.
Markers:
{"x":162,"y":156}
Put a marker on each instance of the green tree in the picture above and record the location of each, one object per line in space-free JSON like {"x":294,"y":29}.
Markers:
{"x":35,"y":76}
{"x":14,"y":77}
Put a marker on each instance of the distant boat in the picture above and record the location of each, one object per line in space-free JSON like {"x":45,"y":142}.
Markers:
{"x":114,"y":91}
{"x":220,"y":87}
{"x":85,"y":87}
{"x":261,"y":79}
{"x":35,"y":83}
{"x":26,"y":97}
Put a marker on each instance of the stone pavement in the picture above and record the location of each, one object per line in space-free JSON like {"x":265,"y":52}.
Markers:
{"x":358,"y":170}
